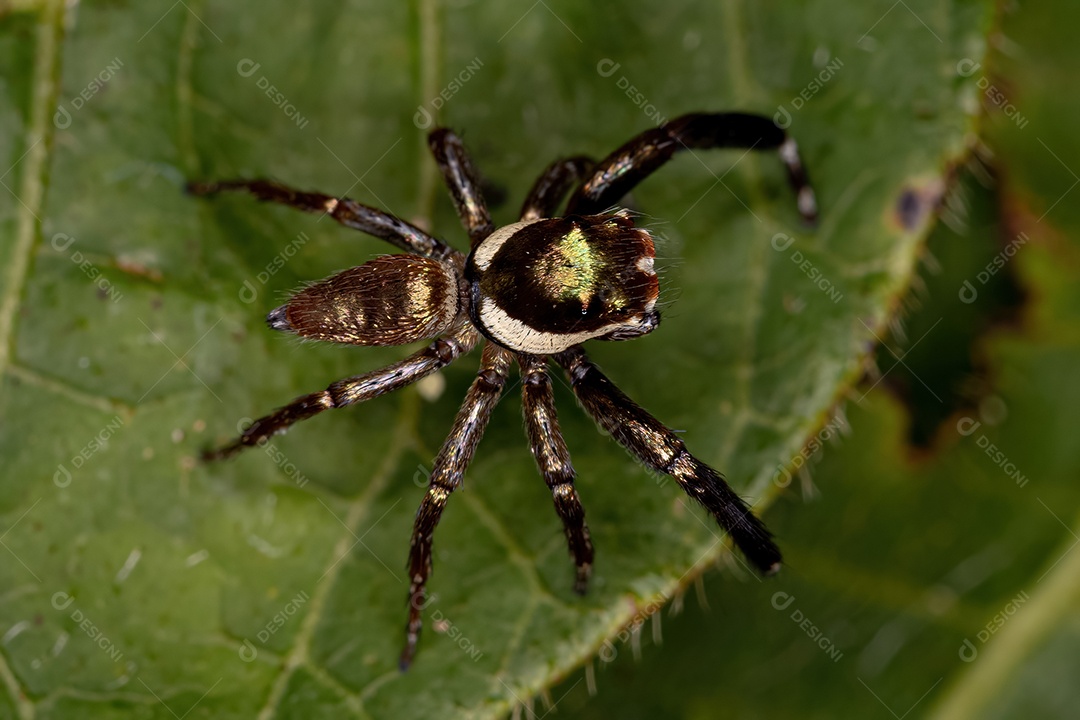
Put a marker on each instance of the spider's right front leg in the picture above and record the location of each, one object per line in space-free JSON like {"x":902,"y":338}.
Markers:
{"x":622,"y":170}
{"x":350,"y":391}
{"x":446,"y":475}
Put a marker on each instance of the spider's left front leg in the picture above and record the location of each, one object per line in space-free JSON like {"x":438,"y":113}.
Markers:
{"x":446,"y":475}
{"x":659,"y":448}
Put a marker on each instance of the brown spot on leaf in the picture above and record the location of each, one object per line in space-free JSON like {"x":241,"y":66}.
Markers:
{"x":917,"y":203}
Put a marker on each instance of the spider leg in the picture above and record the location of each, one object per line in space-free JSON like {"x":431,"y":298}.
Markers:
{"x":659,"y":448}
{"x":551,"y":186}
{"x":622,"y":170}
{"x":446,"y":475}
{"x":553,"y":459}
{"x":348,"y":212}
{"x":350,"y":391}
{"x":462,"y":180}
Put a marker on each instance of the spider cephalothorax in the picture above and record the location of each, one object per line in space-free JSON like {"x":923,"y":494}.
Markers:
{"x":536,"y":290}
{"x":542,"y":286}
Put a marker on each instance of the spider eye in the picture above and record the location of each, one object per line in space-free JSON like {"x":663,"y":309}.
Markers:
{"x":544,"y":286}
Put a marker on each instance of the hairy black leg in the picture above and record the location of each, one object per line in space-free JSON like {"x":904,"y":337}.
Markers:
{"x":561,"y":175}
{"x":659,"y":448}
{"x":348,"y":212}
{"x":553,"y":459}
{"x":446,"y":475}
{"x":462,"y":180}
{"x":622,"y":170}
{"x":350,"y":391}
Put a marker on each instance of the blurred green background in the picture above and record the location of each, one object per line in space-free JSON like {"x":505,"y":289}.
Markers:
{"x":902,"y":402}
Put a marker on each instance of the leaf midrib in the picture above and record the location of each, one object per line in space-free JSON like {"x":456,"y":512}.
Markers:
{"x":45,"y":88}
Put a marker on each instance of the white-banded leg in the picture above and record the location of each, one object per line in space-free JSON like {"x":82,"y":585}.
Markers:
{"x":640,"y":157}
{"x":446,"y":476}
{"x":548,"y":190}
{"x":553,"y":459}
{"x":463,"y":182}
{"x":349,"y":213}
{"x":435,"y":356}
{"x":659,"y":448}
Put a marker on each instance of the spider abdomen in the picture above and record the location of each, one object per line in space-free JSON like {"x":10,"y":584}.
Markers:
{"x":543,"y":286}
{"x":391,"y":300}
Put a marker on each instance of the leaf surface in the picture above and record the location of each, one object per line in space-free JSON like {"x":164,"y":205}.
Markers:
{"x":143,"y":583}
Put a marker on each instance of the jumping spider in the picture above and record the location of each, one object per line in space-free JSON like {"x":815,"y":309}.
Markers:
{"x":535,"y":290}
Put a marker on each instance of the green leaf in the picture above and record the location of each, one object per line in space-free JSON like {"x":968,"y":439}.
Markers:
{"x":131,"y":325}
